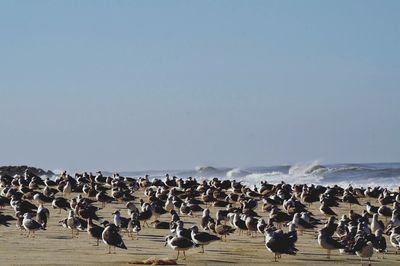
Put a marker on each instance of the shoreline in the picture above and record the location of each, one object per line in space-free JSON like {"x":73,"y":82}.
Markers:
{"x":55,"y":246}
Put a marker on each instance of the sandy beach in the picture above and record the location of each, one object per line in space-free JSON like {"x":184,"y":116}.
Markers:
{"x":55,"y":245}
{"x":280,"y":113}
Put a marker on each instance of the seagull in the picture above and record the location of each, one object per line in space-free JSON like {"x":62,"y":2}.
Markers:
{"x":363,"y":247}
{"x":395,"y":238}
{"x":72,"y":223}
{"x":279,"y":217}
{"x":174,"y":216}
{"x":261,"y":225}
{"x":202,"y":238}
{"x":222,"y":229}
{"x":41,"y":198}
{"x":179,"y":244}
{"x":300,"y":223}
{"x":183,"y":232}
{"x":43,"y":215}
{"x":326,"y":210}
{"x":239,"y":223}
{"x":326,"y":241}
{"x":376,"y":224}
{"x":111,"y":237}
{"x":103,"y":198}
{"x":379,"y":242}
{"x":371,"y":209}
{"x":67,"y":188}
{"x":119,"y":221}
{"x":342,"y":229}
{"x":61,"y":203}
{"x":131,"y":207}
{"x":169,"y":205}
{"x":385,"y":211}
{"x":205,"y":219}
{"x":157,"y":209}
{"x":31,"y":225}
{"x":278,"y":242}
{"x":94,"y":230}
{"x":251,"y":224}
{"x":146,"y":214}
{"x":160,"y":225}
{"x":330,"y":227}
{"x":349,"y":198}
{"x":185,"y":209}
{"x":134,"y":225}
{"x":366,"y":252}
{"x":395,"y":220}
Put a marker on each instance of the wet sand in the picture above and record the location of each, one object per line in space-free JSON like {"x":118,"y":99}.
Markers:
{"x":55,"y":245}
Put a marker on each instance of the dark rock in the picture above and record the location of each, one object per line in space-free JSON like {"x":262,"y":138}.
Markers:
{"x":20,"y":170}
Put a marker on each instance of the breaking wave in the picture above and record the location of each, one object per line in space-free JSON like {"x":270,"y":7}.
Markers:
{"x":383,"y":174}
{"x":237,"y":172}
{"x":307,"y":169}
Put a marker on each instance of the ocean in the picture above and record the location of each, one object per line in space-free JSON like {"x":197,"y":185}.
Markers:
{"x":360,"y":175}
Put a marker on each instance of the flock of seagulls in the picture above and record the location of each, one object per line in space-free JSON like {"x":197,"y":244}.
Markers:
{"x":279,"y":212}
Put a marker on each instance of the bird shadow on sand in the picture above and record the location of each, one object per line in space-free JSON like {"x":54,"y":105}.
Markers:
{"x":59,"y":237}
{"x":145,"y":253}
{"x":190,"y":222}
{"x":151,"y":235}
{"x":156,"y":239}
{"x":229,"y":253}
{"x":320,"y":260}
{"x":239,"y":241}
{"x":211,"y":262}
{"x":312,"y":254}
{"x":213,"y":250}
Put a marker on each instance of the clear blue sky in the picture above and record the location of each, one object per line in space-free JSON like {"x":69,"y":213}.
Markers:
{"x":131,"y":85}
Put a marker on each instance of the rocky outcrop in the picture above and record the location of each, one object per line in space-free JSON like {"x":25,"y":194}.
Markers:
{"x":19,"y":170}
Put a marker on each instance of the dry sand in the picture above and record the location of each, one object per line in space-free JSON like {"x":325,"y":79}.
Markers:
{"x":55,"y":246}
